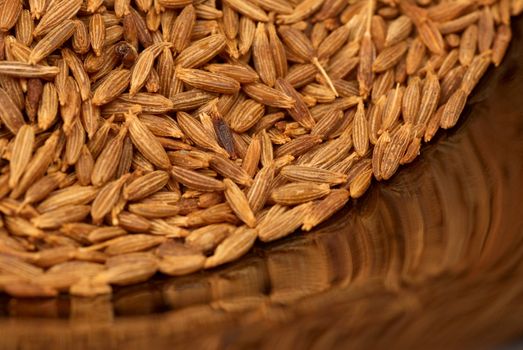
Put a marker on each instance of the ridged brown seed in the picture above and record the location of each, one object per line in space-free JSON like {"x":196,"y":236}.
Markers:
{"x":80,"y":75}
{"x":366,"y":58}
{"x":468,"y":44}
{"x":299,"y":111}
{"x":239,"y":72}
{"x":75,"y":139}
{"x":97,"y":33}
{"x":223,"y":133}
{"x":53,"y":40}
{"x":165,"y":68}
{"x":201,"y":51}
{"x":126,"y":160}
{"x":21,"y":153}
{"x":411,"y":100}
{"x":239,"y":203}
{"x":249,"y":9}
{"x":431,"y":37}
{"x":144,"y":140}
{"x":154,"y":210}
{"x":433,"y":124}
{"x":377,"y":154}
{"x":106,"y":199}
{"x":500,"y":45}
{"x":333,"y":42}
{"x":105,"y":233}
{"x":90,"y":116}
{"x":38,"y":165}
{"x":451,"y":82}
{"x":56,"y":13}
{"x":301,"y":74}
{"x":312,"y":174}
{"x":252,"y":156}
{"x":415,"y":56}
{"x":395,"y":150}
{"x":398,"y":30}
{"x":141,"y":70}
{"x":228,"y":168}
{"x":325,"y":208}
{"x":132,"y":222}
{"x":360,"y":133}
{"x":43,"y":187}
{"x":207,"y":81}
{"x":112,"y":86}
{"x":10,"y":114}
{"x":81,"y":42}
{"x":206,"y":238}
{"x":382,"y":84}
{"x":392,"y":108}
{"x":60,"y":81}
{"x":84,"y":166}
{"x":412,"y":151}
{"x":37,"y":8}
{"x":259,"y":192}
{"x":195,"y":131}
{"x":161,"y":125}
{"x":18,"y":267}
{"x":71,"y":109}
{"x":389,"y":57}
{"x":299,"y":192}
{"x":343,"y":62}
{"x":445,"y":12}
{"x":195,"y":180}
{"x":246,"y":34}
{"x":277,"y":6}
{"x":13,"y":89}
{"x":67,"y":196}
{"x":231,"y":21}
{"x":375,"y":119}
{"x":453,"y":109}
{"x":267,"y":151}
{"x":143,"y":101}
{"x":475,"y":71}
{"x":246,"y":115}
{"x":142,"y":33}
{"x":97,"y":142}
{"x":232,"y":247}
{"x":262,"y":56}
{"x":450,"y":61}
{"x":328,"y":124}
{"x":107,"y":162}
{"x":25,"y":70}
{"x":302,"y":10}
{"x":24,"y":28}
{"x":318,"y":33}
{"x":145,"y":185}
{"x":192,"y":99}
{"x":131,"y":243}
{"x":284,"y":223}
{"x":278,"y":51}
{"x":459,"y":23}
{"x":268,"y":96}
{"x":486,"y":30}
{"x":429,"y":99}
{"x":299,"y":145}
{"x":60,"y":216}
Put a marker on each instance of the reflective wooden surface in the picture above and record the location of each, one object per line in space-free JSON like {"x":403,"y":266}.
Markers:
{"x":432,"y":258}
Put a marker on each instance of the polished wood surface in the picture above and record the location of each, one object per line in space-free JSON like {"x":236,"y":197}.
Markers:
{"x":431,"y":259}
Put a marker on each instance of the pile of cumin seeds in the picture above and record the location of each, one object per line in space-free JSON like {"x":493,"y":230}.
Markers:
{"x":169,"y":135}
